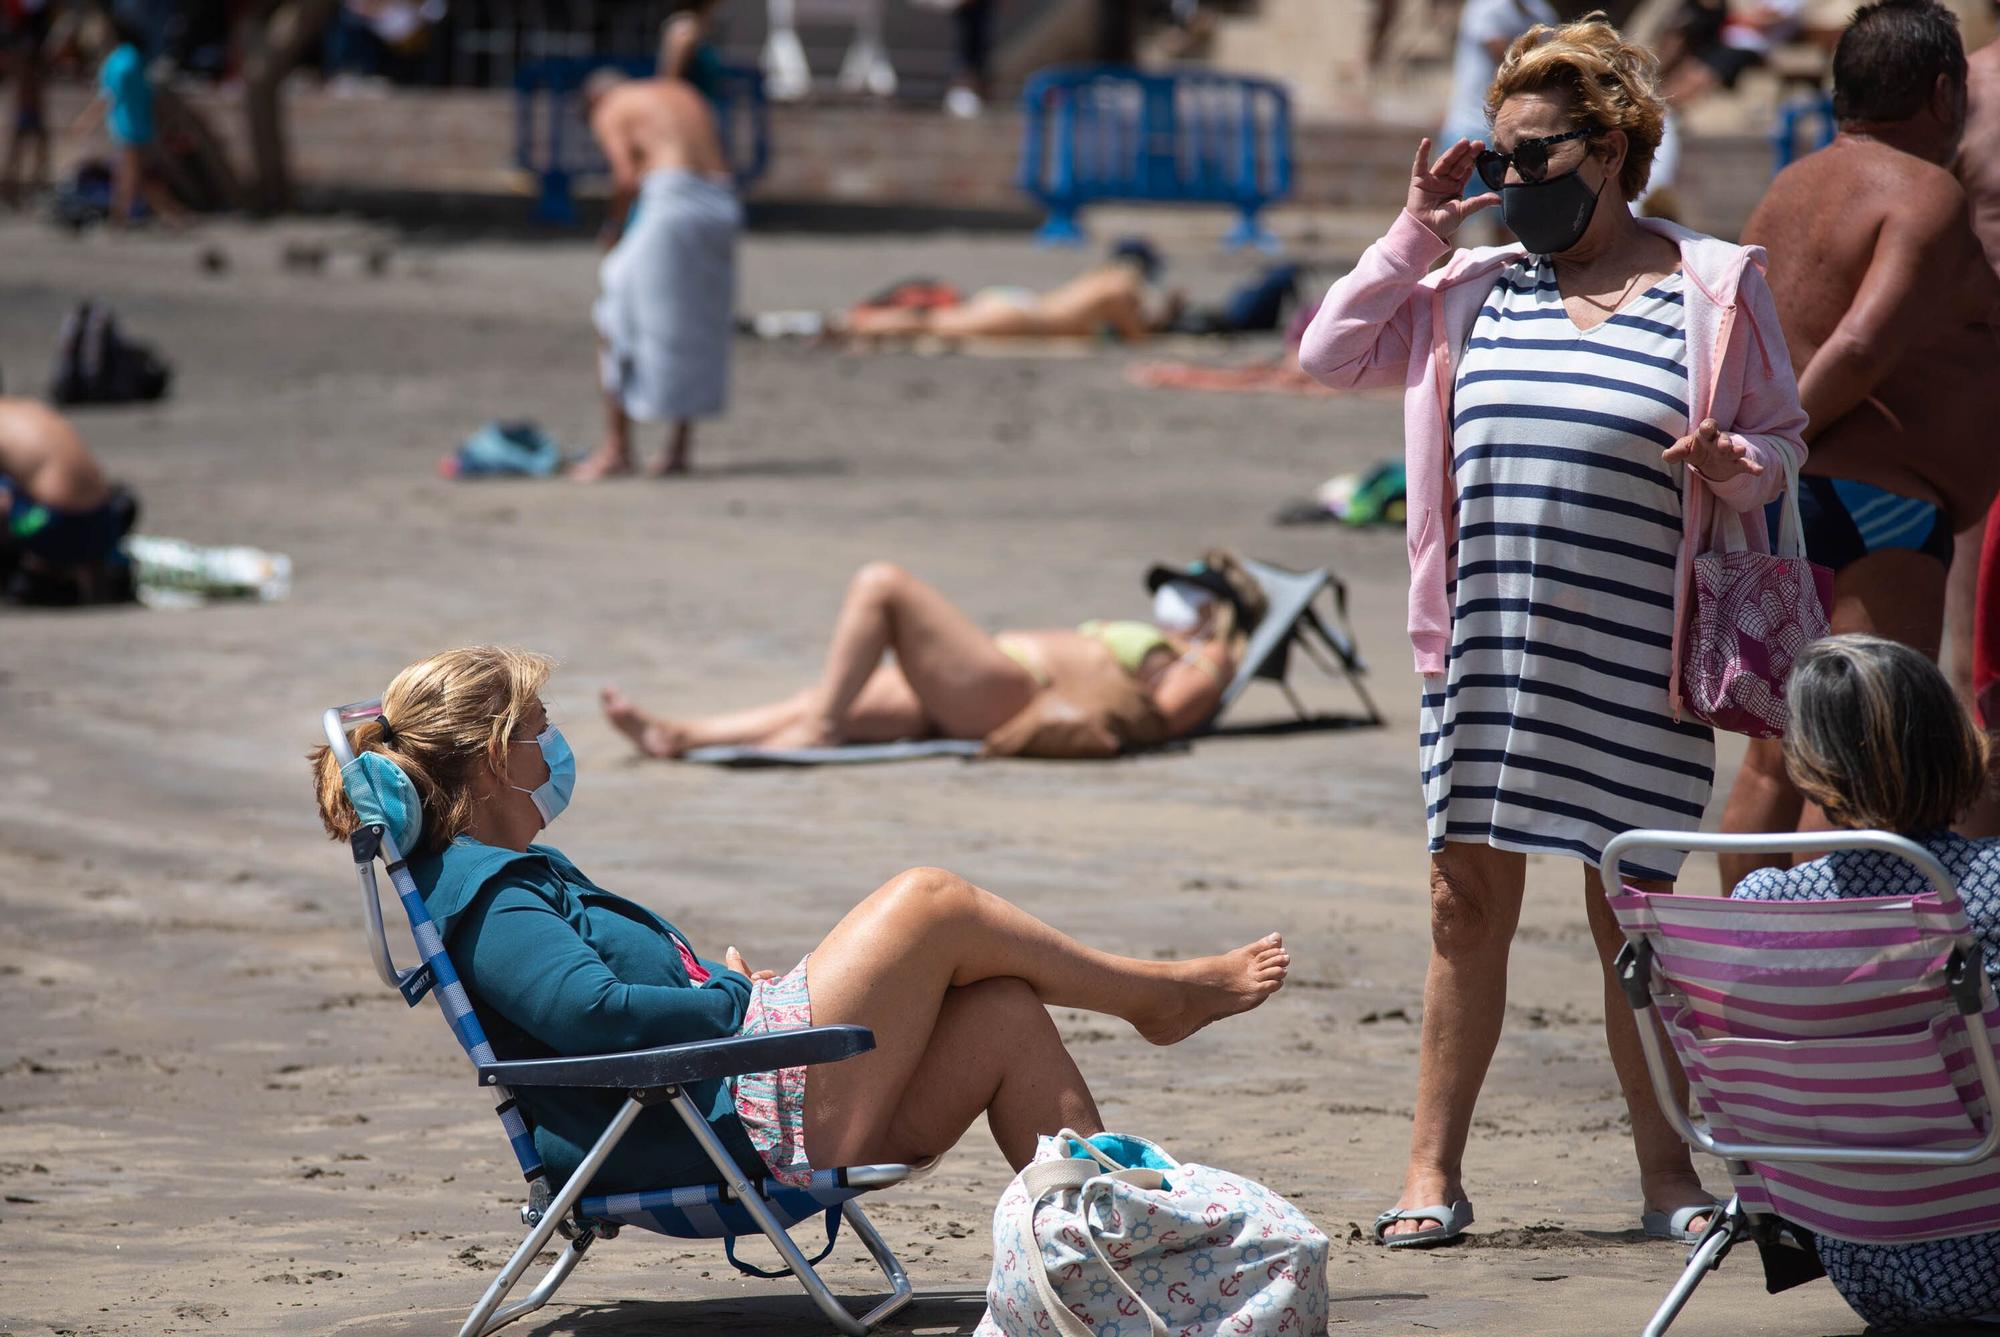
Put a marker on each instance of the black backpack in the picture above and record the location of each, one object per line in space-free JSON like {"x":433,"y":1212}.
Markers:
{"x":95,"y":364}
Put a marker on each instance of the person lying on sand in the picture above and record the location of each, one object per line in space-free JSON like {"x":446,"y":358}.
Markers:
{"x":60,"y":517}
{"x":954,"y":981}
{"x":669,"y":282}
{"x":1115,"y":297}
{"x":946,"y":677}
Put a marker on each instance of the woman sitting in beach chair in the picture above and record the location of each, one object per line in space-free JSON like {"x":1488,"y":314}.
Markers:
{"x":949,"y":678}
{"x":953,"y":981}
{"x":1878,"y":740}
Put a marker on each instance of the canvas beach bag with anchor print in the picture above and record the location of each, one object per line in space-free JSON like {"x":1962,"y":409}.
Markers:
{"x":1111,"y":1237}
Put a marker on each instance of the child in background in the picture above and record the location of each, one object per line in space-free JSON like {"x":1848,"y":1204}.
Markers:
{"x":124,"y":106}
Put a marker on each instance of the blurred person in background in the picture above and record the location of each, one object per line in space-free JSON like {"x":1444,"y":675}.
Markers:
{"x":24,"y":26}
{"x":669,"y":276}
{"x":1486,"y":28}
{"x":688,"y":52}
{"x":124,"y":107}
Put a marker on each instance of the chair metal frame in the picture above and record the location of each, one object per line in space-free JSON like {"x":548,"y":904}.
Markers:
{"x":1292,"y":620}
{"x":1732,"y":1222}
{"x":648,"y":1077}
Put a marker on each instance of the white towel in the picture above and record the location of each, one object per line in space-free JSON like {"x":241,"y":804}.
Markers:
{"x":669,"y":292}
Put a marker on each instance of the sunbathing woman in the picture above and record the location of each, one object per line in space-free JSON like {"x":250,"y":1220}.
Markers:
{"x":954,"y":981}
{"x":1112,"y":298}
{"x":952,"y":679}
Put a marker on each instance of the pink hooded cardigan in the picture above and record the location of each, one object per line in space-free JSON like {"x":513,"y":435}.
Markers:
{"x":1390,"y":322}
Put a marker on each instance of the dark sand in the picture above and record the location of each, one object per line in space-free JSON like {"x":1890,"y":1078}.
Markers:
{"x":214,"y":1119}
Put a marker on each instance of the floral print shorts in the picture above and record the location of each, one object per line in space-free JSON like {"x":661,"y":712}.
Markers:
{"x":772,"y":1105}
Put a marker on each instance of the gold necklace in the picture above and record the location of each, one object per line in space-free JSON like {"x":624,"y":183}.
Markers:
{"x":1632,"y":283}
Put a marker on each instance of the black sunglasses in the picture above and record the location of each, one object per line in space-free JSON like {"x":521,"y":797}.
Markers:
{"x":1530,"y":157}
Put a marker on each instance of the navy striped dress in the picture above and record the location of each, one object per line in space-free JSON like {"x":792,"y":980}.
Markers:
{"x":1549,"y":731}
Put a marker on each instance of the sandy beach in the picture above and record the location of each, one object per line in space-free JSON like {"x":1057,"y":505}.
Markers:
{"x":214,"y":1119}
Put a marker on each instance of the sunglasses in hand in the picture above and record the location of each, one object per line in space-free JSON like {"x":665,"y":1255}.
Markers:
{"x":1530,"y":158}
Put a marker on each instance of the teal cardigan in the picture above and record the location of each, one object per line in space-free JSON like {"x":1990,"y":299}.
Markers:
{"x":555,"y":965}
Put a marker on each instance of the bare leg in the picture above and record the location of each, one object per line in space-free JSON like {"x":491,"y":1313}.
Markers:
{"x":678,"y":456}
{"x":967,"y":687}
{"x":125,"y":174}
{"x":995,"y":1051}
{"x":886,"y":710}
{"x":613,"y":457}
{"x":889,"y":964}
{"x":1961,"y":598}
{"x":1475,"y":907}
{"x":1666,"y":1171}
{"x":659,"y":736}
{"x":1762,"y":799}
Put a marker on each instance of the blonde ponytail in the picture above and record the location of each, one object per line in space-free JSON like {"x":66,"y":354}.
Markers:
{"x":441,"y":718}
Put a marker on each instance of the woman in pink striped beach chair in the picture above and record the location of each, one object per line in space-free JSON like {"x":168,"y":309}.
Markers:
{"x":1878,"y":740}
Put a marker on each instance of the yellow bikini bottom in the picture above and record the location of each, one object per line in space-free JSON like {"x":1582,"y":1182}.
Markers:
{"x":1021,"y":655}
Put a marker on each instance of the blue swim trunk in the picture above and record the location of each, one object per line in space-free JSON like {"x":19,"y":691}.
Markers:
{"x":1845,"y":521}
{"x":65,"y":538}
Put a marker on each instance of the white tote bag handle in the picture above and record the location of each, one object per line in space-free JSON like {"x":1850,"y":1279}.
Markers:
{"x":1046,"y":1177}
{"x":1726,"y":531}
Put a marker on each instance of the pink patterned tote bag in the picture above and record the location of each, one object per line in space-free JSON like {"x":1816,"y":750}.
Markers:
{"x":1754,"y":613}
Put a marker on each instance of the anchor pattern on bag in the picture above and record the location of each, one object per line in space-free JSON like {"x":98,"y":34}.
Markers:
{"x":1213,"y":1254}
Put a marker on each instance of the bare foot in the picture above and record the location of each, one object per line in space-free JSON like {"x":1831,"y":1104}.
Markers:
{"x":1424,"y":1188}
{"x":652,"y":735}
{"x":1214,"y":987}
{"x":604,"y":462}
{"x":668,"y":466}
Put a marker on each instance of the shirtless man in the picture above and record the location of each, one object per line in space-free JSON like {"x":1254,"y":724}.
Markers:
{"x":664,"y":319}
{"x":1889,"y":310}
{"x":60,"y":517}
{"x":1113,"y":297}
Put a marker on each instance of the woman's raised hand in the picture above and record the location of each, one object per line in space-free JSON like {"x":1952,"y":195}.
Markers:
{"x":1712,"y":454}
{"x":1435,"y":191}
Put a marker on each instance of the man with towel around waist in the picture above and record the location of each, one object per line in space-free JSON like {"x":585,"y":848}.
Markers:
{"x":669,"y":284}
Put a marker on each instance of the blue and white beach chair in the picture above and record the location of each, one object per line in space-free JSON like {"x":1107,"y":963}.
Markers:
{"x":732,"y":1206}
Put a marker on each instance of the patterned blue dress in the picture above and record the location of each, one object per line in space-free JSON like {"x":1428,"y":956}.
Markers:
{"x":1896,"y":1286}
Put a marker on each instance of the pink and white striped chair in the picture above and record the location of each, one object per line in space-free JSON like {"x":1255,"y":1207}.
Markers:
{"x":1840,"y":1054}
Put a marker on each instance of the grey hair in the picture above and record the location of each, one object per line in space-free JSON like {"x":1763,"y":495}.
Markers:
{"x":1878,"y":739}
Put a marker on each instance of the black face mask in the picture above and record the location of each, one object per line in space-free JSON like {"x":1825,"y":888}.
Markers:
{"x":1549,"y":216}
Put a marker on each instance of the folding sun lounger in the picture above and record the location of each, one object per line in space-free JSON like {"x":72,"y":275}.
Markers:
{"x":1840,"y":1053}
{"x":1290,"y":620}
{"x":733,"y":1205}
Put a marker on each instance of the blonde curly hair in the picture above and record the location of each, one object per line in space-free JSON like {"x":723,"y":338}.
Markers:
{"x":1612,"y":84}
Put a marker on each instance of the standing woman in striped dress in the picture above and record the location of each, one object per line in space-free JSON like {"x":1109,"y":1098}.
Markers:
{"x":1575,"y":407}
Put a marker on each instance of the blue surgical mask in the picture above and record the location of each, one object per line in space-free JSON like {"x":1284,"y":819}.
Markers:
{"x":551,"y":796}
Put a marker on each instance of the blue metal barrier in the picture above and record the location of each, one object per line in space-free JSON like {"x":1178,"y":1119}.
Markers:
{"x":1108,"y":132}
{"x":1791,"y":114}
{"x":552,"y":142}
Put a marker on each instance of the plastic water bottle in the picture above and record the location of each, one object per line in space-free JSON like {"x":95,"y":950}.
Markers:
{"x":176,"y":573}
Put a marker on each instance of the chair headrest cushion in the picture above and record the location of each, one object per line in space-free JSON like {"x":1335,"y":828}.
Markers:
{"x":382,"y":793}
